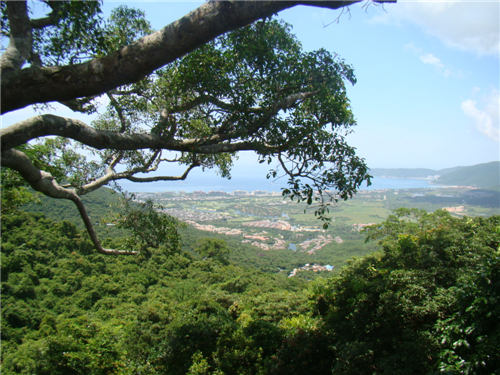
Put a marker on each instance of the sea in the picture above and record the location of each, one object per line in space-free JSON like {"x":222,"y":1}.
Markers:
{"x":252,"y":183}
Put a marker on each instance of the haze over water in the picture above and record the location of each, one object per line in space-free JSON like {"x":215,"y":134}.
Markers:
{"x":252,"y":183}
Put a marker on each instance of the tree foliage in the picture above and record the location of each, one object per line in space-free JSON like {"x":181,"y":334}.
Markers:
{"x":251,"y":89}
{"x":392,"y":312}
{"x":212,"y":248}
{"x":426,"y":303}
{"x":149,"y":228}
{"x":67,"y":309}
{"x":470,"y":337}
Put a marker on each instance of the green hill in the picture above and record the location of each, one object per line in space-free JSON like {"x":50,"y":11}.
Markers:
{"x":99,"y":203}
{"x":485,"y":176}
{"x":442,"y":172}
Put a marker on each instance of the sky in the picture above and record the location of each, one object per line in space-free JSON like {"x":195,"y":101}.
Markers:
{"x":427,"y":91}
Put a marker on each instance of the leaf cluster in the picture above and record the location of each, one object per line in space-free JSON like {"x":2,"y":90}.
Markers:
{"x":149,"y":228}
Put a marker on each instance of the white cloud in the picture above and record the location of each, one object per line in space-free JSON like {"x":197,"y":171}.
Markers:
{"x":487,"y":119}
{"x":471,"y":26}
{"x":429,"y":58}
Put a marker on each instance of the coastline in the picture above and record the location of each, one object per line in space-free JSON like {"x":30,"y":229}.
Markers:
{"x":254,"y":183}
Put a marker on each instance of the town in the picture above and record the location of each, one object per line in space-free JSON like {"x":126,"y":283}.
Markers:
{"x":267,"y":222}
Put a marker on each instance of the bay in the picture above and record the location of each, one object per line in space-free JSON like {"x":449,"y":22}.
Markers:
{"x":208,"y":183}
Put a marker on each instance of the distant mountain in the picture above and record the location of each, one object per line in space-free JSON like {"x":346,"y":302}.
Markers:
{"x":411,"y":172}
{"x":485,"y":176}
{"x":403,"y":172}
{"x":442,"y":172}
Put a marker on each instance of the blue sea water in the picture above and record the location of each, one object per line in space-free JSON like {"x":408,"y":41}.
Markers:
{"x":251,"y":183}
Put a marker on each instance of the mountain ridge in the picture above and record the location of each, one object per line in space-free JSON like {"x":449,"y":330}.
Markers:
{"x":484,"y":175}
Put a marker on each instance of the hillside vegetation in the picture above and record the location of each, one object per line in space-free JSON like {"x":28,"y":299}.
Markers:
{"x":98,"y":203}
{"x":486,"y":176}
{"x":427,"y":301}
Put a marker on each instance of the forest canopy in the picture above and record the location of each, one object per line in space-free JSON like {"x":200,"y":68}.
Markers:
{"x":427,"y":302}
{"x":250,"y":89}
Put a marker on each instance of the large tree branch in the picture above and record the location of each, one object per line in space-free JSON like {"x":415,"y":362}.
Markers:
{"x":129,"y":64}
{"x":19,"y":48}
{"x":50,"y":125}
{"x":46,"y":125}
{"x":44,"y":182}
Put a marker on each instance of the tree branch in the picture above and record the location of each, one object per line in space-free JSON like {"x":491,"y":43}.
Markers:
{"x":82,"y":105}
{"x":44,"y":182}
{"x":45,"y":125}
{"x":51,"y":19}
{"x":164,"y":178}
{"x":129,"y":64}
{"x":291,"y":100}
{"x":19,"y":49}
{"x":202,"y":99}
{"x":119,"y":111}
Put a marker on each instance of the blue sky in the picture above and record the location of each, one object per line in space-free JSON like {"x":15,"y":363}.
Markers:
{"x":427,"y":94}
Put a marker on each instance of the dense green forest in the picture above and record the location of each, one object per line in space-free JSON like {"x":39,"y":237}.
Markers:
{"x":426,"y":302}
{"x":99,"y":204}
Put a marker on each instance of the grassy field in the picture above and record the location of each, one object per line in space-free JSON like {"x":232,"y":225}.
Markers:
{"x":362,"y":211}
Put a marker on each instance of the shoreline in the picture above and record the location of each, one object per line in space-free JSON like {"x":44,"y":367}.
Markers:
{"x":251,"y":183}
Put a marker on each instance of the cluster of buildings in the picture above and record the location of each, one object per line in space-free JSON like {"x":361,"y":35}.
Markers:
{"x":314,"y":267}
{"x":182,"y":198}
{"x":455,"y":209}
{"x":279,"y":224}
{"x":360,"y":226}
{"x":186,"y":215}
{"x":278,"y":243}
{"x":211,"y":228}
{"x":262,"y":241}
{"x":317,"y":243}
